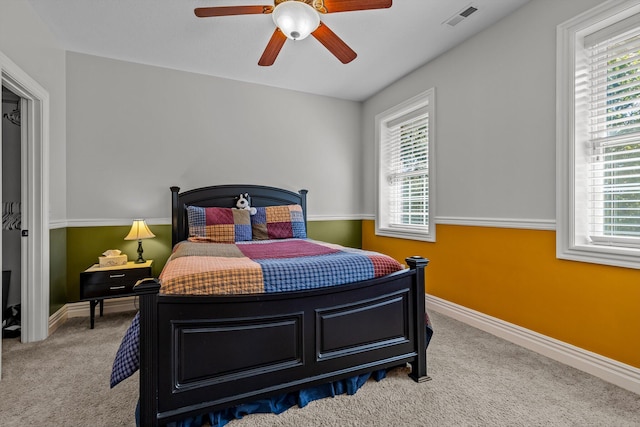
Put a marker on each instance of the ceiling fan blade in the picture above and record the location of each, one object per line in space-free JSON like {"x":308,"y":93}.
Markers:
{"x":334,"y":43}
{"x":273,"y":48}
{"x":206,"y":12}
{"x":332,"y":6}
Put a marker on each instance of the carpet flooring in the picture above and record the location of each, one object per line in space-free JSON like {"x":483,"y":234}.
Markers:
{"x":478,"y":380}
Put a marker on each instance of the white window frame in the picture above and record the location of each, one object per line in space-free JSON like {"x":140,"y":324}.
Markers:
{"x":572,"y":240}
{"x":424,"y":100}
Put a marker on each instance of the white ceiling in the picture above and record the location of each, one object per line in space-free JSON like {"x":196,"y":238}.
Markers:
{"x":390,"y":43}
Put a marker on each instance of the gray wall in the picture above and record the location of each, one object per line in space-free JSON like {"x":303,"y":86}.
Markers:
{"x":134,"y":130}
{"x":26,"y":41}
{"x":495,"y":118}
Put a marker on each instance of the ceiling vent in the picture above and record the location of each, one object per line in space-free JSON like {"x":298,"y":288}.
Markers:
{"x":458,"y":17}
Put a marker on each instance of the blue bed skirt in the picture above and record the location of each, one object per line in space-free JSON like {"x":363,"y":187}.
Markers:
{"x":277,"y":404}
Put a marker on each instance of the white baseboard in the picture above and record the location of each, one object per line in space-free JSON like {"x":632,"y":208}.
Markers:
{"x":620,"y":374}
{"x":81,"y":309}
{"x":57,"y":319}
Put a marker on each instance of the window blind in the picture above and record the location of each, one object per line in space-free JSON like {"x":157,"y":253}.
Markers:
{"x":406,"y":153}
{"x":613,"y":85}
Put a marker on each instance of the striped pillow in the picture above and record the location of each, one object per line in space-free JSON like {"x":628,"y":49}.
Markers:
{"x":219,"y":225}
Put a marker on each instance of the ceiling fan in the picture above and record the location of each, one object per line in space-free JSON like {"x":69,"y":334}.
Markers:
{"x":296,"y":19}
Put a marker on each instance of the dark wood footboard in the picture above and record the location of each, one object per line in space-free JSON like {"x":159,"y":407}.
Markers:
{"x":199,"y":354}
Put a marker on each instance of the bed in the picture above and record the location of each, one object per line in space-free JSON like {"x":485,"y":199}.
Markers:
{"x":203,"y":353}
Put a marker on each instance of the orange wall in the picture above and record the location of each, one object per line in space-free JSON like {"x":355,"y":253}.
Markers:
{"x":513,"y":274}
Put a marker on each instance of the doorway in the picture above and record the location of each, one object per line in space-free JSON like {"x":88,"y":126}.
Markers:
{"x":34,"y":176}
{"x":11,"y":213}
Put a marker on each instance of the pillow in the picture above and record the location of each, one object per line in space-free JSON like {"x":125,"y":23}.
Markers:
{"x":278,"y":222}
{"x":219,"y":225}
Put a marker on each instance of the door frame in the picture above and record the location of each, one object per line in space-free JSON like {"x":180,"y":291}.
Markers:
{"x":35,"y":190}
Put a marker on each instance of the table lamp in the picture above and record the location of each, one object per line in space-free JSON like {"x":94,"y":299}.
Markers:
{"x":139,"y":231}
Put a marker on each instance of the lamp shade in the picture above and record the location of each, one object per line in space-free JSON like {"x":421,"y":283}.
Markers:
{"x":295,"y":19}
{"x":139,"y":231}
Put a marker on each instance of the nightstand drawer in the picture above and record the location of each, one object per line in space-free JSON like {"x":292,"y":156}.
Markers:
{"x":105,"y":284}
{"x":106,"y":289}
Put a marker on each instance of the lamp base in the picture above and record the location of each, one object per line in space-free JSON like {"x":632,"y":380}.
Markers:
{"x":140,"y":259}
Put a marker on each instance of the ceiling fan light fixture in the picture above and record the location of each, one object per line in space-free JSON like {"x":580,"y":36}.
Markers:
{"x":296,"y":19}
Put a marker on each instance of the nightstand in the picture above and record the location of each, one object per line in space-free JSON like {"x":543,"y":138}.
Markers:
{"x":100,"y":283}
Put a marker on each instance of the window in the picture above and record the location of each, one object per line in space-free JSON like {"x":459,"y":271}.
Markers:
{"x":405,"y":141}
{"x":598,"y":167}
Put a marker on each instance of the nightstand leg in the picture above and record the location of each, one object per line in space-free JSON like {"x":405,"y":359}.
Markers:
{"x":101,"y":307}
{"x":92,"y":312}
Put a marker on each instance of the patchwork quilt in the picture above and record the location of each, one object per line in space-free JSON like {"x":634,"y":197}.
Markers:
{"x":266,"y":266}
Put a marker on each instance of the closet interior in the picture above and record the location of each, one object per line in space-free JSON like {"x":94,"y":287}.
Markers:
{"x":11,"y":213}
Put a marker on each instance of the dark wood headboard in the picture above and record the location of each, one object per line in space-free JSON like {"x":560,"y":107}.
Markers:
{"x":224,"y":196}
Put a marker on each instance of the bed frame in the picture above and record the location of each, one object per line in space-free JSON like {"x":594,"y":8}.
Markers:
{"x":199,"y":354}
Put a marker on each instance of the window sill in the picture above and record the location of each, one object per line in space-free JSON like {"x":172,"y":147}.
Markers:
{"x":597,"y":254}
{"x":408,"y":235}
